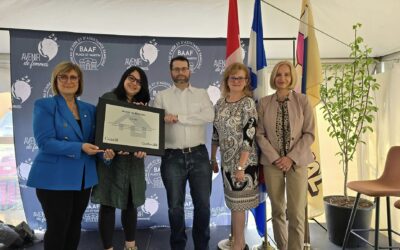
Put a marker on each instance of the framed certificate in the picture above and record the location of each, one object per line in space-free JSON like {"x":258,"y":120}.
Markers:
{"x":129,"y":127}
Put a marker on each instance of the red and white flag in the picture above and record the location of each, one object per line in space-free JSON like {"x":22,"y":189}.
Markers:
{"x":233,"y":48}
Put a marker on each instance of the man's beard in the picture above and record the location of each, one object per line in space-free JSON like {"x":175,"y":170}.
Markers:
{"x":181,"y":79}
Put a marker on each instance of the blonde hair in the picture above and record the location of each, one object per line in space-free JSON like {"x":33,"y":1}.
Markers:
{"x":232,"y":69}
{"x":293,"y":74}
{"x":62,"y":68}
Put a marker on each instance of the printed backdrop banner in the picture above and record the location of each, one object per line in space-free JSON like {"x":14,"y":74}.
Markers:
{"x":103,"y":59}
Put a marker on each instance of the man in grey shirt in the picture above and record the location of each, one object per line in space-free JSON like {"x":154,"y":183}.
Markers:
{"x":188,"y":110}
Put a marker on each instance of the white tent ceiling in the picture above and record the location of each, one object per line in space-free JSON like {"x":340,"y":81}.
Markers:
{"x":208,"y":18}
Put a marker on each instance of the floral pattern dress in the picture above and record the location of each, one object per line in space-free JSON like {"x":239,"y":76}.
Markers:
{"x":234,"y":132}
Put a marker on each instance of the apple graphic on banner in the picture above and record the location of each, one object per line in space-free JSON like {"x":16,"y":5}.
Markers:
{"x":214,"y":93}
{"x":150,"y":206}
{"x":48,"y":48}
{"x":23,"y":170}
{"x":21,"y":90}
{"x":149,"y":53}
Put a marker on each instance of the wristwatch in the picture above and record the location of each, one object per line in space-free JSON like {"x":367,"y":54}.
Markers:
{"x":240,"y":168}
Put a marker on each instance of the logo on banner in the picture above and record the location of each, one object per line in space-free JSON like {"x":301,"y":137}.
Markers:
{"x":214,"y":92}
{"x":189,"y":50}
{"x":153,"y":174}
{"x":20,"y":91}
{"x":30,"y":144}
{"x":23,"y":170}
{"x":220,"y":211}
{"x":39,"y":216}
{"x":47,"y":50}
{"x":148,"y":55}
{"x":219,"y":65}
{"x":91,"y":213}
{"x":88,"y":53}
{"x":149,"y":208}
{"x":47,"y":91}
{"x":188,"y":206}
{"x":156,"y":87}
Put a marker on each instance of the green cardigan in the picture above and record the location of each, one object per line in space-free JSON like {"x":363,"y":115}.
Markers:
{"x":115,"y":179}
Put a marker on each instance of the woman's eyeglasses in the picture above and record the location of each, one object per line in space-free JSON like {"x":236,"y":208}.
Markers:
{"x":64,"y":78}
{"x":133,"y":79}
{"x":239,"y":79}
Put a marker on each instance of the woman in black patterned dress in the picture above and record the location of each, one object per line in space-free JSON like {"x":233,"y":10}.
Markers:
{"x":234,"y":131}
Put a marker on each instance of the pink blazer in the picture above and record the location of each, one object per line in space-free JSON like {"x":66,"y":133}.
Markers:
{"x":302,"y":126}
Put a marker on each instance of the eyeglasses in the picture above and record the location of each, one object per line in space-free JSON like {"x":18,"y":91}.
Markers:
{"x":240,"y":79}
{"x":64,"y":78}
{"x":133,"y":79}
{"x":183,"y":70}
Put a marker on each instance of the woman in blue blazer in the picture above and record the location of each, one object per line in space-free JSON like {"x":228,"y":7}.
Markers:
{"x":64,"y":171}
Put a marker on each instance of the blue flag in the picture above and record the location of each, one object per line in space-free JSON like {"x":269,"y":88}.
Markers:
{"x":257,"y":64}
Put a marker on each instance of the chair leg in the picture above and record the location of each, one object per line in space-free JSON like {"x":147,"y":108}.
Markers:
{"x":351,"y":221}
{"x":389,"y":221}
{"x":377,"y":203}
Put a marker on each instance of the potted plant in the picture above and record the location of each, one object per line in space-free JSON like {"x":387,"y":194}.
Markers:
{"x":347,"y":98}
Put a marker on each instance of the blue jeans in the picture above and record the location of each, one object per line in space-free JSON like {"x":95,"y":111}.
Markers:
{"x":176,"y":169}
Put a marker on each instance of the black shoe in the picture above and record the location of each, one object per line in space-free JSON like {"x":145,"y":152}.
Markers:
{"x":246,"y":247}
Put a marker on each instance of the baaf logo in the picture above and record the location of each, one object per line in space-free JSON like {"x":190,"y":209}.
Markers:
{"x":47,"y":48}
{"x":156,"y":87}
{"x":91,"y":213}
{"x":189,"y":50}
{"x":30,"y":144}
{"x":219,"y":65}
{"x":20,"y":91}
{"x":47,"y":91}
{"x":88,"y":53}
{"x":149,"y":208}
{"x":148,"y":55}
{"x":153,"y":174}
{"x":23,"y":171}
{"x":214,"y":92}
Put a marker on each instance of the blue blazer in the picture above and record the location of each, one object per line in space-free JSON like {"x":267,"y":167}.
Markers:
{"x":61,"y":164}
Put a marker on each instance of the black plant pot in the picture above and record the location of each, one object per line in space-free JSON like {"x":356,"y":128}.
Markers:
{"x":337,"y":218}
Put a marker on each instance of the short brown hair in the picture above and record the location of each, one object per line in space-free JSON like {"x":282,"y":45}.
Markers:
{"x":293,"y":74}
{"x":62,"y":68}
{"x":232,"y":69}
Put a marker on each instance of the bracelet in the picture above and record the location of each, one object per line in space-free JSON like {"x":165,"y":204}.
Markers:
{"x":213,"y":161}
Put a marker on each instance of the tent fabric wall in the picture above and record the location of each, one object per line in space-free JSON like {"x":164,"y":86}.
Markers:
{"x":208,"y":18}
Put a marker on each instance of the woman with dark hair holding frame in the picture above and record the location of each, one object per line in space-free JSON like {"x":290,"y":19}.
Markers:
{"x":121,"y":182}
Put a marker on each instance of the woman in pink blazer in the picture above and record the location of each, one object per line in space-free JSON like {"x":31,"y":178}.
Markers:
{"x":285,"y":132}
